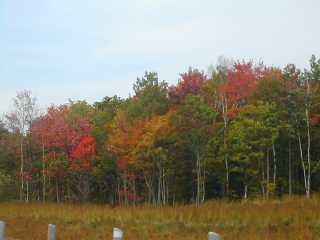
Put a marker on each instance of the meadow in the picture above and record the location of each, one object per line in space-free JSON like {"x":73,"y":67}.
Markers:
{"x":294,"y":218}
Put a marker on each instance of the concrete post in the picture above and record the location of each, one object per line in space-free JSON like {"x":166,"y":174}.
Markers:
{"x":2,"y":230}
{"x":213,"y":236}
{"x":117,"y":234}
{"x":51,"y":232}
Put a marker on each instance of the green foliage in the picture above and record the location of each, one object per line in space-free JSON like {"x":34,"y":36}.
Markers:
{"x":251,"y":134}
{"x":5,"y":186}
{"x":194,"y":121}
{"x":79,"y":110}
{"x":150,"y":97}
{"x":244,"y":129}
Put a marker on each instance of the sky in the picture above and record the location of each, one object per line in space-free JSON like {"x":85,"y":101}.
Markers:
{"x":86,"y":50}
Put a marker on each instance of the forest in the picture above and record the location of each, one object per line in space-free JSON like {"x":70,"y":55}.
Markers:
{"x":240,"y":130}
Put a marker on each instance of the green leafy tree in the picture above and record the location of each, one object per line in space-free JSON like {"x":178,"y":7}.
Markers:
{"x":150,"y":97}
{"x":251,"y":135}
{"x":194,"y":121}
{"x":105,"y":176}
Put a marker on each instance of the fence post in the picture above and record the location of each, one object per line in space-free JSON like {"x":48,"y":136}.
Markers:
{"x":51,"y":232}
{"x":213,"y":236}
{"x":117,"y":234}
{"x":2,"y":230}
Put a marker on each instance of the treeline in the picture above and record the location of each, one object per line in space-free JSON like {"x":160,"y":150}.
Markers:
{"x":242,"y":130}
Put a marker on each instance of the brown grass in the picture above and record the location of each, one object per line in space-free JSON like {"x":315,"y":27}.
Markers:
{"x":296,"y":218}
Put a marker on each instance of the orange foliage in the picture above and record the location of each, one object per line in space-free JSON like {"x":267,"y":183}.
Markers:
{"x":125,"y":136}
{"x":191,"y":82}
{"x":83,"y":155}
{"x":241,"y":83}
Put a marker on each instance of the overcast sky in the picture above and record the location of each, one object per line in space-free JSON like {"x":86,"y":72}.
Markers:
{"x":81,"y":49}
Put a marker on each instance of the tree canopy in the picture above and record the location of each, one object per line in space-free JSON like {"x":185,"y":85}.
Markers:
{"x":242,"y":130}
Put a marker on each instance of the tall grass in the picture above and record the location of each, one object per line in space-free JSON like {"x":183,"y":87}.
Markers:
{"x":295,"y":218}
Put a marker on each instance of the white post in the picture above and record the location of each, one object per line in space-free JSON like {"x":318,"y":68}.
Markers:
{"x":2,"y":230}
{"x":213,"y":236}
{"x":51,"y":232}
{"x":117,"y":234}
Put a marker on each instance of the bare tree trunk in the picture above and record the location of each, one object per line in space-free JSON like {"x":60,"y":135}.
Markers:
{"x":263,"y":179}
{"x":225,"y":120}
{"x":167,"y":189}
{"x":21,"y":169}
{"x":160,"y":175}
{"x":200,"y":195}
{"x":203,"y":184}
{"x":274,"y":164}
{"x":119,"y":192}
{"x":268,"y":174}
{"x":27,"y":197}
{"x":308,"y":140}
{"x":198,"y":167}
{"x":290,"y":172}
{"x":303,"y":166}
{"x":125,"y":187}
{"x":245,"y":192}
{"x":57,"y":191}
{"x":163,"y":187}
{"x":134,"y":191}
{"x":198,"y":182}
{"x":308,"y":154}
{"x":19,"y":120}
{"x":68,"y":190}
{"x":43,"y":174}
{"x":151,"y":194}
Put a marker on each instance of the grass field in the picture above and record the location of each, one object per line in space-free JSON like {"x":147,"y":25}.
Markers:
{"x":296,"y":218}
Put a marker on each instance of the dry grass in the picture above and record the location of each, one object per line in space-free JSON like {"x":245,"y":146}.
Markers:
{"x":293,"y":219}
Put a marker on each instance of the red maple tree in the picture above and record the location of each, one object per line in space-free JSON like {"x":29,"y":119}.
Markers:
{"x":190,"y":82}
{"x":83,"y":155}
{"x":241,"y":83}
